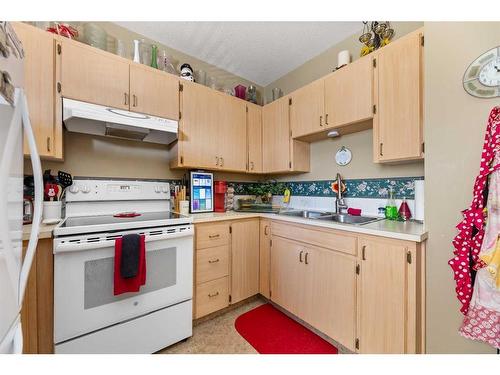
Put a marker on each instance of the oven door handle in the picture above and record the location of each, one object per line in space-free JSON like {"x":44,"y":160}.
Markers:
{"x":72,"y":247}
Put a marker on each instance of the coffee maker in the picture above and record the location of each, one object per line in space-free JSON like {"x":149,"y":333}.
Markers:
{"x":220,"y":190}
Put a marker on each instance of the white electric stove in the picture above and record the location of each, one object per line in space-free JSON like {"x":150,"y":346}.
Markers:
{"x":88,"y":318}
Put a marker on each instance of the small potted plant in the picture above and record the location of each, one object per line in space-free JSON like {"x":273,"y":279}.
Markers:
{"x":264,"y":191}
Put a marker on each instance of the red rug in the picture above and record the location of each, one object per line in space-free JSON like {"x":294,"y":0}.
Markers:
{"x":270,"y":331}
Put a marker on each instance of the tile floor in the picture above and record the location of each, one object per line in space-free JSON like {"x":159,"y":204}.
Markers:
{"x":217,"y":335}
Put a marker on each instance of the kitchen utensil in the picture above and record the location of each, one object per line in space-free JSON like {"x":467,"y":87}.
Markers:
{"x":64,"y":179}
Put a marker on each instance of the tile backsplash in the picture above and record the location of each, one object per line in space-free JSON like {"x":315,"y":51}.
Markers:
{"x":377,"y":188}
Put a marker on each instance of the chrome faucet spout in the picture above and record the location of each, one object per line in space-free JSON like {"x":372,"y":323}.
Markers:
{"x":339,"y":201}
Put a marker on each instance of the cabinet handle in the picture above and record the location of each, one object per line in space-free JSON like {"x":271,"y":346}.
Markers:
{"x":380,"y":149}
{"x":212,"y":236}
{"x":48,"y":144}
{"x":266,"y":232}
{"x":134,"y":97}
{"x":216,"y":160}
{"x":214,"y":261}
{"x":320,"y":120}
{"x":363,"y":252}
{"x":213,"y":295}
{"x":251,"y":165}
{"x":306,"y":258}
{"x":300,"y":256}
{"x":126,"y":98}
{"x":326,"y":119}
{"x":221,"y":161}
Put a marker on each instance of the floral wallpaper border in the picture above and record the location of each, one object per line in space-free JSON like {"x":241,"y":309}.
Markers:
{"x":355,"y":188}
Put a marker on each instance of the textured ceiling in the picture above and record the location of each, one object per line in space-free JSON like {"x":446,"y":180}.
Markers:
{"x":260,"y":52}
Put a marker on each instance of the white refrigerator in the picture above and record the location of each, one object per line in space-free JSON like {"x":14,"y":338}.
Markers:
{"x":14,"y":121}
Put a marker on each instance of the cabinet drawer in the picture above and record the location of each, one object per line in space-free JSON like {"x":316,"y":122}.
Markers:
{"x":212,"y":296}
{"x":212,"y":263}
{"x":211,"y":235}
{"x":327,"y":238}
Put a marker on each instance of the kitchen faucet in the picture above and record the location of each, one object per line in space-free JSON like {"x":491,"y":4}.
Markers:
{"x":339,"y":201}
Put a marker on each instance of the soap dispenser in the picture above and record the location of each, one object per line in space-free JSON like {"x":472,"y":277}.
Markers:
{"x":391,"y":210}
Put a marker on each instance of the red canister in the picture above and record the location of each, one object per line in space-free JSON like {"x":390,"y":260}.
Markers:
{"x":220,"y":189}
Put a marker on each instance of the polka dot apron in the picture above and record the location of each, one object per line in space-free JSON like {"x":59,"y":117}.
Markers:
{"x":467,"y":242}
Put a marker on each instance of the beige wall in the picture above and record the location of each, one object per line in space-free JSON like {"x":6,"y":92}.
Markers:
{"x":96,"y":156}
{"x":454,"y":129}
{"x":323,"y":164}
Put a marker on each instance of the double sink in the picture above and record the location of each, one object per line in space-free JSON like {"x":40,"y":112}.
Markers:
{"x":330,"y":216}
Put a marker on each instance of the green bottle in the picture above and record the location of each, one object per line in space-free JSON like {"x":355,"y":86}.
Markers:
{"x":391,"y":210}
{"x":154,"y":56}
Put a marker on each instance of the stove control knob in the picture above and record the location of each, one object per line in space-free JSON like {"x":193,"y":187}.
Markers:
{"x":157,"y":189}
{"x":164,"y":189}
{"x":73,"y":189}
{"x":85,"y":189}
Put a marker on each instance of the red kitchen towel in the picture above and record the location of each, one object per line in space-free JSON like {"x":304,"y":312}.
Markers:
{"x":132,"y":284}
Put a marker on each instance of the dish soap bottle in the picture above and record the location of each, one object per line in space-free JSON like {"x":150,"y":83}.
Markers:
{"x":404,"y":210}
{"x":391,"y":210}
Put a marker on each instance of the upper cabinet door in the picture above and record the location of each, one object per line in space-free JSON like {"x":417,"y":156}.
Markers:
{"x":398,"y":133}
{"x":254,"y":132}
{"x":276,"y":136}
{"x":307,"y":112}
{"x":94,"y":76}
{"x":198,"y":127}
{"x":349,"y":94}
{"x":154,"y":92}
{"x":39,"y":70}
{"x":232,"y":133}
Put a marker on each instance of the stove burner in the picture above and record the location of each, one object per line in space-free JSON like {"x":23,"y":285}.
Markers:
{"x":127,"y":214}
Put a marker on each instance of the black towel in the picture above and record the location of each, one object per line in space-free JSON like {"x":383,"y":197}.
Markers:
{"x":129,"y":266}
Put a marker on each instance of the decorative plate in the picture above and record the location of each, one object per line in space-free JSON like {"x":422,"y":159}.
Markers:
{"x":343,"y":156}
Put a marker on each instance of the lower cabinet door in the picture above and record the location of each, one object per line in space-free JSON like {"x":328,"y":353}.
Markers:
{"x":264,"y":257}
{"x":212,"y":296}
{"x":331,"y":299}
{"x":383,"y":297}
{"x":288,"y":275}
{"x":244,"y":259}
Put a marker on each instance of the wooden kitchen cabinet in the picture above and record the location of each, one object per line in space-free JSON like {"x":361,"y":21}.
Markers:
{"x":330,"y":303}
{"x":388,"y":296}
{"x":37,"y":313}
{"x":398,"y":123}
{"x":154,"y":92}
{"x":244,"y":259}
{"x":288,"y":275}
{"x":212,"y":130}
{"x":254,"y":138}
{"x":307,"y":109}
{"x":265,"y":258}
{"x":281,"y":153}
{"x":231,"y":134}
{"x":349,"y":94}
{"x":94,"y":76}
{"x":40,"y":88}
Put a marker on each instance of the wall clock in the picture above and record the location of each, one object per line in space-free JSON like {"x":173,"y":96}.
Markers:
{"x":343,"y":156}
{"x":482,"y":77}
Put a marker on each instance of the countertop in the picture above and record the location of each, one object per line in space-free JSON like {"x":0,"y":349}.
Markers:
{"x":409,"y":231}
{"x":45,"y":231}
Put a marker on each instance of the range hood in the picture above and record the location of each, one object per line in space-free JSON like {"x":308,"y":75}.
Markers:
{"x":81,"y":117}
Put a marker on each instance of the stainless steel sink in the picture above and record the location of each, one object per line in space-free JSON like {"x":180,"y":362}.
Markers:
{"x":349,"y":219}
{"x":304,"y":213}
{"x":330,"y":216}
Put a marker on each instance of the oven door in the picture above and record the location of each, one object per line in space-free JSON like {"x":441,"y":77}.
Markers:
{"x":83,"y":279}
